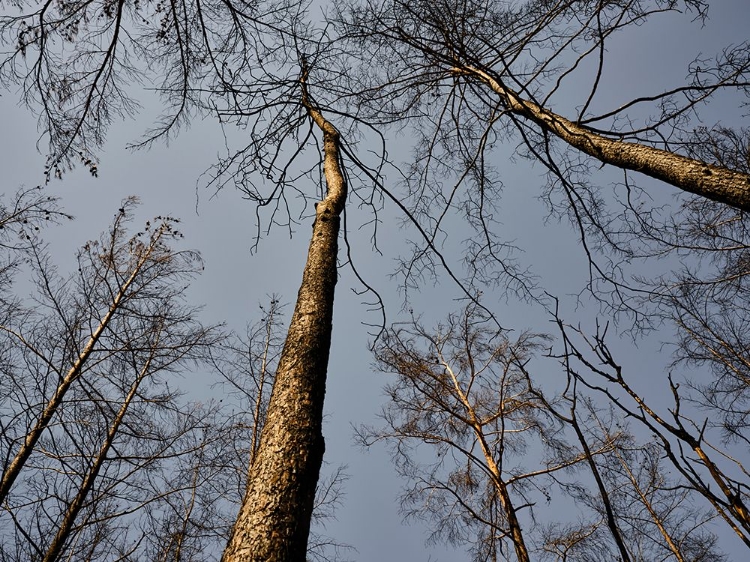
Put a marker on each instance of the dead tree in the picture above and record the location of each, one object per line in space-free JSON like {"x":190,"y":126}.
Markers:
{"x":88,"y":414}
{"x":475,"y":425}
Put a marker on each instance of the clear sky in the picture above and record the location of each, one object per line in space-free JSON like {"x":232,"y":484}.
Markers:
{"x":236,"y":281}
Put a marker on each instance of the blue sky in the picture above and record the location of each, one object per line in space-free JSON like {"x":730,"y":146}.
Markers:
{"x":235,"y":281}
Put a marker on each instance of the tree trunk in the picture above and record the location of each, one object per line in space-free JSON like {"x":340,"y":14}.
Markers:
{"x":274,"y":520}
{"x":501,"y":486}
{"x":67,"y":523}
{"x":712,"y":182}
{"x":32,"y":437}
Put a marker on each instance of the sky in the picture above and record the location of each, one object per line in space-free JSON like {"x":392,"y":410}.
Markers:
{"x":221,"y":226}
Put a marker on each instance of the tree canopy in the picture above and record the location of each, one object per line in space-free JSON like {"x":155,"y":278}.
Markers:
{"x":315,"y":106}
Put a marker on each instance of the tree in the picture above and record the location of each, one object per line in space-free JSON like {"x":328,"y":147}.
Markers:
{"x":472,"y":76}
{"x":89,"y":423}
{"x":466,"y":396}
{"x":707,"y":465}
{"x":494,"y":69}
{"x":116,"y":276}
{"x":451,"y":46}
{"x":486,"y":450}
{"x":248,"y":366}
{"x":476,"y":74}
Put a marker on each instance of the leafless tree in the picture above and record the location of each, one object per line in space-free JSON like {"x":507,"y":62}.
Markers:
{"x":279,"y":106}
{"x":466,"y":76}
{"x":491,"y":457}
{"x":274,"y":521}
{"x":116,"y":275}
{"x":506,"y":62}
{"x":90,"y":426}
{"x":464,"y":392}
{"x":477,"y":74}
{"x":247,"y":365}
{"x":472,"y":76}
{"x":682,"y":434}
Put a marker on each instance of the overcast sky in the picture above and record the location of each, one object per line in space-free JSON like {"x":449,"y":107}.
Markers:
{"x":235,"y":281}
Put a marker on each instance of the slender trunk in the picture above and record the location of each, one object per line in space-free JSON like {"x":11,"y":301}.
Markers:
{"x":274,"y":520}
{"x":603,"y":493}
{"x":501,"y":486}
{"x":173,"y":541}
{"x":671,"y":544}
{"x":63,"y":532}
{"x":712,"y":182}
{"x":16,"y":465}
{"x":257,"y":412}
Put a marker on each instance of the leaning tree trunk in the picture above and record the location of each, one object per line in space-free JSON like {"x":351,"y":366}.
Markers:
{"x":712,"y":182}
{"x":11,"y":473}
{"x":66,"y":526}
{"x":274,"y":520}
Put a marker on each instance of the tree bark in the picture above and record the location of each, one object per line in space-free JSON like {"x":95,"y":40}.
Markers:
{"x":274,"y":520}
{"x":712,"y":182}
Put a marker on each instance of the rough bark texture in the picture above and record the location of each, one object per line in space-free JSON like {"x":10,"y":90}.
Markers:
{"x":713,"y":182}
{"x":274,"y":520}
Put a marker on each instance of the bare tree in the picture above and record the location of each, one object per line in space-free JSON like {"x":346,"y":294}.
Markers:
{"x":88,"y":417}
{"x":466,"y":75}
{"x":126,"y":467}
{"x":472,"y":76}
{"x":486,"y":451}
{"x":467,"y":395}
{"x":476,"y":74}
{"x":247,"y":365}
{"x":708,"y":470}
{"x":506,"y":62}
{"x":115,"y":276}
{"x":274,"y":521}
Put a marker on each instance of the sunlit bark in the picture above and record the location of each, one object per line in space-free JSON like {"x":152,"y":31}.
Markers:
{"x":274,"y":520}
{"x":712,"y":182}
